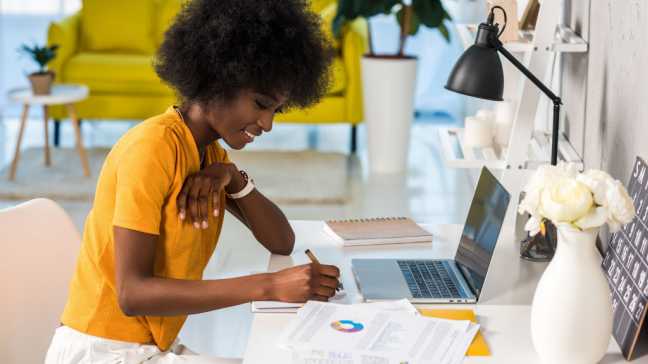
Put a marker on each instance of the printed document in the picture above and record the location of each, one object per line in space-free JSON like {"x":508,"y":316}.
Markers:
{"x":385,"y":334}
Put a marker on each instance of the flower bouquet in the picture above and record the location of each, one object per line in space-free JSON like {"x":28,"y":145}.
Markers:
{"x":572,"y":199}
{"x":571,"y":316}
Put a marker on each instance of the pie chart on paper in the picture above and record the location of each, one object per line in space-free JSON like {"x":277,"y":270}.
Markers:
{"x":346,"y":326}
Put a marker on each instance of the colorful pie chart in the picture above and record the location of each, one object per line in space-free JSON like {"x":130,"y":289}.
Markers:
{"x":346,"y":326}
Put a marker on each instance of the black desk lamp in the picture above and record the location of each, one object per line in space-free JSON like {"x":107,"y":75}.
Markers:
{"x":478,"y":72}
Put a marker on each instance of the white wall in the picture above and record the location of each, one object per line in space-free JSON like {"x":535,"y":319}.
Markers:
{"x":606,"y":91}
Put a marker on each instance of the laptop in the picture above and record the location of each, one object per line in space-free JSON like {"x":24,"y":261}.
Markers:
{"x":443,"y":280}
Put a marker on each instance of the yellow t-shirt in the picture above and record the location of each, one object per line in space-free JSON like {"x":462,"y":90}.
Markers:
{"x":137,"y":190}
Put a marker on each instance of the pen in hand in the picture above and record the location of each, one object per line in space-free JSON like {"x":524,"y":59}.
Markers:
{"x":314,"y":260}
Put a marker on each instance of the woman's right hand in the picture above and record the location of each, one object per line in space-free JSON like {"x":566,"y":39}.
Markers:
{"x":309,"y":282}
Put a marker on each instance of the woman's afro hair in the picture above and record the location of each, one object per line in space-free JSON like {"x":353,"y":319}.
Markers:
{"x":215,"y":48}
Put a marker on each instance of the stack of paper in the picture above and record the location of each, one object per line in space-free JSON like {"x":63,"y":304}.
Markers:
{"x":287,"y":307}
{"x":325,"y":333}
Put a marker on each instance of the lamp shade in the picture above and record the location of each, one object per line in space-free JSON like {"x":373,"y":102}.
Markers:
{"x":478,"y":73}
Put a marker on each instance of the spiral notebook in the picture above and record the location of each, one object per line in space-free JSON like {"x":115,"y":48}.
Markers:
{"x":386,"y":230}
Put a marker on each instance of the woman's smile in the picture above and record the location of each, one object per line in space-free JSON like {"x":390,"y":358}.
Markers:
{"x":249,"y":137}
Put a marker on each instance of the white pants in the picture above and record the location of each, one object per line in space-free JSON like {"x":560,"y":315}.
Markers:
{"x":72,"y":347}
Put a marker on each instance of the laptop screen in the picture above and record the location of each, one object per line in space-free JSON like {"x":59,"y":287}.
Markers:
{"x":482,"y":229}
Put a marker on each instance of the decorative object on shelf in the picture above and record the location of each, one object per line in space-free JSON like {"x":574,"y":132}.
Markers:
{"x":484,"y":113}
{"x":571,"y":316}
{"x":42,"y":80}
{"x":504,"y":117}
{"x":505,"y":111}
{"x":478,"y":72}
{"x":530,"y":15}
{"x":626,"y":267}
{"x":479,"y":132}
{"x":510,"y":7}
{"x":388,"y":81}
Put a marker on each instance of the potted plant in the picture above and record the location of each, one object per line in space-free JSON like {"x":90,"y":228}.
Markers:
{"x":571,"y":315}
{"x":388,"y":81}
{"x":42,"y":80}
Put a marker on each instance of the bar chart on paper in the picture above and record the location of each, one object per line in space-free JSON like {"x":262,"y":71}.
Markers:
{"x":391,"y":338}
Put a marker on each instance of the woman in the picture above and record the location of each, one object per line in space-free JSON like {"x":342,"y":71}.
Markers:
{"x":164,"y":188}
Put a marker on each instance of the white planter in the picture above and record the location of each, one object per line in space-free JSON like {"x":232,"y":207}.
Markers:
{"x":571,"y":317}
{"x":388,"y":100}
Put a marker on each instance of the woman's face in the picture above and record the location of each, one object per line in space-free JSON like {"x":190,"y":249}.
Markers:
{"x":247,"y":117}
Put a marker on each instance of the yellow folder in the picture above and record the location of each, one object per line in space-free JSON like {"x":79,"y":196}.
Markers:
{"x":478,"y":346}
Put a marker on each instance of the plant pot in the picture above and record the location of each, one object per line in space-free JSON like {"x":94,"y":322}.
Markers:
{"x":571,"y":316}
{"x":388,"y":99}
{"x":42,"y":82}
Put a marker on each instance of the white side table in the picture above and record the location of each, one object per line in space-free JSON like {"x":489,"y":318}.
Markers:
{"x":62,"y":93}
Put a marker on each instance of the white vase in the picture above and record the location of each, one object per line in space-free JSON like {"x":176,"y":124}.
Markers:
{"x":388,"y":100}
{"x":571,"y":317}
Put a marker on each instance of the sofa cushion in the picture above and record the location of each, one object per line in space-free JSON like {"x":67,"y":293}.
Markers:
{"x":328,"y":14}
{"x":165,"y":12}
{"x":117,"y":25}
{"x":115,"y":73}
{"x":133,"y":74}
{"x":340,"y":76}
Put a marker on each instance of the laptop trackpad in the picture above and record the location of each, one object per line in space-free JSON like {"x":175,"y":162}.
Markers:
{"x":379,"y":284}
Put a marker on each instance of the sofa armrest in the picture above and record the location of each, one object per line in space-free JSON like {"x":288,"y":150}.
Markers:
{"x":354,"y":47}
{"x":66,"y":34}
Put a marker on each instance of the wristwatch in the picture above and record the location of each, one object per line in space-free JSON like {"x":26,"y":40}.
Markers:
{"x":249,"y":186}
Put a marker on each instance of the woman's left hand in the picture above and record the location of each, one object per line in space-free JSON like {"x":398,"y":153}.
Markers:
{"x":194,"y":195}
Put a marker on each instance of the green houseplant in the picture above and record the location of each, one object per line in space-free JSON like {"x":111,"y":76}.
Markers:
{"x":410,"y":15}
{"x":388,"y":81}
{"x":42,"y":80}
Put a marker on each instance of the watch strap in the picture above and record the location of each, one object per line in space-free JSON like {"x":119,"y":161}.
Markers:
{"x":249,"y":186}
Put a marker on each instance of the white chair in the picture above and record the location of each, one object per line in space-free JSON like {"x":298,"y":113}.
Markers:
{"x":39,"y":245}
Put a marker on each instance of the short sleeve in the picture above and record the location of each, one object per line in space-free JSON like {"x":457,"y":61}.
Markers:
{"x":144,"y":174}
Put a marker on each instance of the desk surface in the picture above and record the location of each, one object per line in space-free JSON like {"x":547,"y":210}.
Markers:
{"x":503,"y":311}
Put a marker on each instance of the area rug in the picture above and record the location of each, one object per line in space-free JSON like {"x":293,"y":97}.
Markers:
{"x":305,"y":177}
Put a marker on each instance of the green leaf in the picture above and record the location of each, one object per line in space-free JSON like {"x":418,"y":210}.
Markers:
{"x":414,"y":26}
{"x":446,"y":15}
{"x":430,"y":12}
{"x":41,"y":55}
{"x":347,"y":11}
{"x":370,"y":8}
{"x":444,"y":31}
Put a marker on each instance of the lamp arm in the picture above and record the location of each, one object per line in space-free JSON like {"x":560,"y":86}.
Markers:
{"x":500,"y":47}
{"x":556,"y":100}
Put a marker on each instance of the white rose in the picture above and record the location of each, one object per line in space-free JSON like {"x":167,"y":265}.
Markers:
{"x":545,"y":174}
{"x":565,"y":200}
{"x":596,"y":186}
{"x":597,"y":174}
{"x":619,"y":205}
{"x":533,"y":224}
{"x":594,"y":179}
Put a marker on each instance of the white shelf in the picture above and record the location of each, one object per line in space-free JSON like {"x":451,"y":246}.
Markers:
{"x":539,"y":152}
{"x":565,"y":40}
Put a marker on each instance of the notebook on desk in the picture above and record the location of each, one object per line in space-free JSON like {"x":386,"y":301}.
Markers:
{"x":386,"y":230}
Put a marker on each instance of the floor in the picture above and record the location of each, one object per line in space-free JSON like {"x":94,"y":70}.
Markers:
{"x":428,"y":192}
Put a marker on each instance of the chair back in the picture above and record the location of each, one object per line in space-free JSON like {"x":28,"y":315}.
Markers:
{"x":39,"y":245}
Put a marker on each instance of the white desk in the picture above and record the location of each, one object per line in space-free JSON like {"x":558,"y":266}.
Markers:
{"x":503,"y":311}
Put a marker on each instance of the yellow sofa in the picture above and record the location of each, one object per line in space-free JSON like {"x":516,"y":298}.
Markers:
{"x":108,"y":46}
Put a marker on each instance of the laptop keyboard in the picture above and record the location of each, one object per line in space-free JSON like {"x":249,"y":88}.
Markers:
{"x":428,"y":279}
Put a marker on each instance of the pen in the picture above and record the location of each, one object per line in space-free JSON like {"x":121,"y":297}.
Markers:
{"x":314,"y":260}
